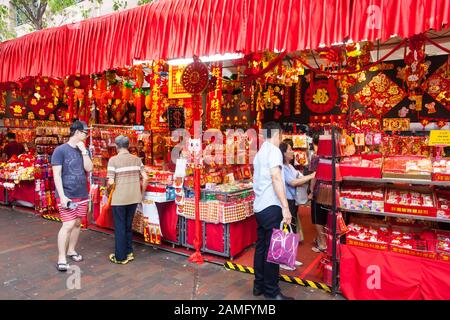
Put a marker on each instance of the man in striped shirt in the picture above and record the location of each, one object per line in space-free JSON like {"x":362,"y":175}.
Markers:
{"x":125,"y":172}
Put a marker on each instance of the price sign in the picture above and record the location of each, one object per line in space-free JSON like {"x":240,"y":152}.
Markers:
{"x":439,"y":138}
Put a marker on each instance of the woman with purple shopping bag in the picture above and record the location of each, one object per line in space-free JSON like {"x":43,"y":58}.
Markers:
{"x":271,"y":208}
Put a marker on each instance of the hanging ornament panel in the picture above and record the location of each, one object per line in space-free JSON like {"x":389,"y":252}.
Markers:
{"x":380,"y":95}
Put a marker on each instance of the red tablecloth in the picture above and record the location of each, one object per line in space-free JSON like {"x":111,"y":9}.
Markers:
{"x":368,"y":274}
{"x":168,"y":220}
{"x":24,"y":191}
{"x":2,"y":194}
{"x":241,"y":235}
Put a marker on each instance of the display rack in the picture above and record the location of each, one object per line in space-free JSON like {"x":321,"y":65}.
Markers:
{"x":398,"y":180}
{"x":394,"y":215}
{"x":380,"y":181}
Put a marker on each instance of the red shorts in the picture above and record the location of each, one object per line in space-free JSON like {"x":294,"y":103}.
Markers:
{"x":80,"y":211}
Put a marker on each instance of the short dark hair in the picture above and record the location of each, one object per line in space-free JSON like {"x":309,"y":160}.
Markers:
{"x":289,"y":142}
{"x":271,"y":127}
{"x":315,"y":138}
{"x":284,"y":146}
{"x":11,"y":135}
{"x":78,"y":125}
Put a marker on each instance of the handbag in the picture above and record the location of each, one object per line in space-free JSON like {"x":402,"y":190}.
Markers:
{"x":283,"y":247}
{"x":105,"y":218}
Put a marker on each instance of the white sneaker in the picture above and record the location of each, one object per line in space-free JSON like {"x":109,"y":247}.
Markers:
{"x":298,"y":263}
{"x":285,"y":267}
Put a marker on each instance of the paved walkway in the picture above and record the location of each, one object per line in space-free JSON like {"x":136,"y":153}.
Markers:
{"x":28,"y":254}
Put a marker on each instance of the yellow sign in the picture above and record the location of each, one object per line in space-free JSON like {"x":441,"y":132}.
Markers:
{"x":439,"y":138}
{"x":176,"y":89}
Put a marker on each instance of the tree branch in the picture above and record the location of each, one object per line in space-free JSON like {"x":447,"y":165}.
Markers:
{"x":23,"y":7}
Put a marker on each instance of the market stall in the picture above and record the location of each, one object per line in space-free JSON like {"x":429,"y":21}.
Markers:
{"x":379,"y":109}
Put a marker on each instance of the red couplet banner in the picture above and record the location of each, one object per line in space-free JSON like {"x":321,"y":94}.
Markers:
{"x":368,"y":274}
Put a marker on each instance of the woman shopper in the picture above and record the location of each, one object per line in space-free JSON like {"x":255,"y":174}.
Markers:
{"x":293,"y":179}
{"x":124,"y":173}
{"x":319,"y":215}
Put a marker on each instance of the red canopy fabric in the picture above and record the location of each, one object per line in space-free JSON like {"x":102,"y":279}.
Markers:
{"x":183,"y":28}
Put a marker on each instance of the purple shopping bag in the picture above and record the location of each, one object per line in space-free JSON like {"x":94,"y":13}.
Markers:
{"x":283,"y":247}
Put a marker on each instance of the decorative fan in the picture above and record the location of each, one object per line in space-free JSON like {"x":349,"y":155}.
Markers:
{"x":195,"y":77}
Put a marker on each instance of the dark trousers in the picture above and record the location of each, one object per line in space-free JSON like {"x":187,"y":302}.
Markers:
{"x":123,"y":232}
{"x":293,"y":209}
{"x":266,"y":273}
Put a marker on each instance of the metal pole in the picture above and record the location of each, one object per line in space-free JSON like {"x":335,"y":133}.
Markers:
{"x":333,"y":210}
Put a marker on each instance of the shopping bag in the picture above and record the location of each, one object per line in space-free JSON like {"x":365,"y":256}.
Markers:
{"x":105,"y":218}
{"x":283,"y":247}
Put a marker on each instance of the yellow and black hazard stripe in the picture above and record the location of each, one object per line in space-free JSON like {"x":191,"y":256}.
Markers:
{"x":295,"y":280}
{"x":53,"y":218}
{"x":50,"y":217}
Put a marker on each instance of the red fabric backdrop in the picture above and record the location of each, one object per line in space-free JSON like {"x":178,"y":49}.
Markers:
{"x":402,"y":277}
{"x":168,"y":220}
{"x":182,"y":28}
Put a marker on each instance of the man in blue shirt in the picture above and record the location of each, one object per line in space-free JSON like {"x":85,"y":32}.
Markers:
{"x":271,"y":208}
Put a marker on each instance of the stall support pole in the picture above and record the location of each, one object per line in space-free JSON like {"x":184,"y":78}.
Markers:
{"x":197,"y":256}
{"x":334,"y":283}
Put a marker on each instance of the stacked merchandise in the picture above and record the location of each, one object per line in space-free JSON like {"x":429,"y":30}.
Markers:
{"x":103,"y":147}
{"x":364,"y":198}
{"x":407,"y":167}
{"x":18,"y":168}
{"x":45,"y":201}
{"x":441,"y":170}
{"x":225,"y":203}
{"x":443,"y":203}
{"x":160,"y":187}
{"x":409,"y":239}
{"x":361,"y":166}
{"x":48,"y":138}
{"x":415,"y":201}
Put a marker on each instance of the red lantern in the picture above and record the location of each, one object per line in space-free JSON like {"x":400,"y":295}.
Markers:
{"x":139,"y":100}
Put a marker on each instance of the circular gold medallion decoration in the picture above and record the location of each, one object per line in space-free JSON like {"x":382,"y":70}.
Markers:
{"x":195,"y":77}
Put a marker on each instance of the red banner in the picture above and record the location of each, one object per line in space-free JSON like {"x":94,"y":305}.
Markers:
{"x":214,"y":112}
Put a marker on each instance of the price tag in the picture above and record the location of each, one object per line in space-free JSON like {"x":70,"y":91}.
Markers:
{"x":439,"y":138}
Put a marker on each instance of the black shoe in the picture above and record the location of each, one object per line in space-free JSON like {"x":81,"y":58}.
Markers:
{"x":279,"y":296}
{"x":257,"y":292}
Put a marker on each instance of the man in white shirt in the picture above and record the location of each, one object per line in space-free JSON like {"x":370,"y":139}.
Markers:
{"x":271,"y":208}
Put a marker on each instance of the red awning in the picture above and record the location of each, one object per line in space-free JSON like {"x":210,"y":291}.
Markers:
{"x":182,"y":28}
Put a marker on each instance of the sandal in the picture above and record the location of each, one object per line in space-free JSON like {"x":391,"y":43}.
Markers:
{"x":76,"y":257}
{"x":112,"y":258}
{"x":62,"y":267}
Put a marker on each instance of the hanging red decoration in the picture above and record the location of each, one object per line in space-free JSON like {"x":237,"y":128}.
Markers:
{"x":321,"y":96}
{"x":214,"y":110}
{"x":441,"y":123}
{"x":17,"y":109}
{"x":139,"y":100}
{"x":424,"y":122}
{"x":195,"y":77}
